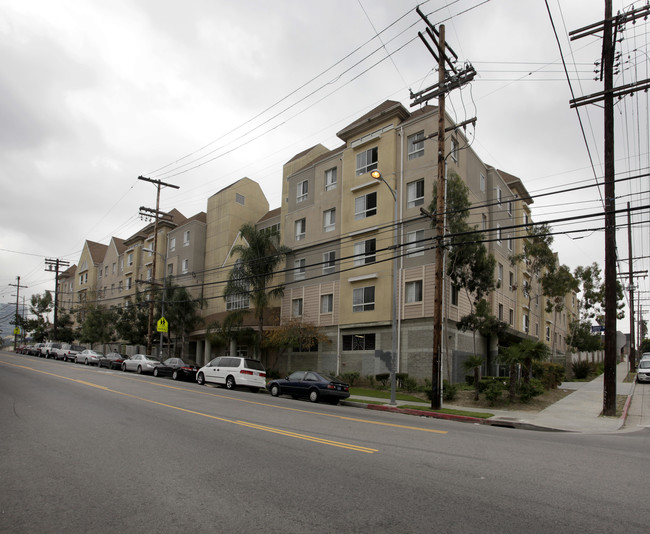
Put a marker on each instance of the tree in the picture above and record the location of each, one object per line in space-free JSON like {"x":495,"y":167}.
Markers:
{"x":556,"y":284}
{"x":97,"y":326}
{"x":581,"y":338}
{"x":39,"y":326}
{"x":593,"y":294}
{"x":181,"y":312}
{"x":132,"y":321}
{"x":294,"y":334}
{"x":512,"y":357}
{"x":65,"y":333}
{"x":474,"y":363}
{"x":254,"y":272}
{"x":532,"y":351}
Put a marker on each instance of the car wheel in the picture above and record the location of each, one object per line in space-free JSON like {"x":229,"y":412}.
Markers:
{"x":155,"y":371}
{"x":230,"y":382}
{"x":275,"y":390}
{"x":86,"y":361}
{"x":175,"y":375}
{"x":124,"y":367}
{"x":200,"y":379}
{"x":313,"y":395}
{"x":139,"y":369}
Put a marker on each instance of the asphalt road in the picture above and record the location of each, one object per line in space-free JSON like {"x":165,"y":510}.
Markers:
{"x":89,"y":450}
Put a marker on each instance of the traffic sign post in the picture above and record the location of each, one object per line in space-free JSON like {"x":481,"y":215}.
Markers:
{"x":162,"y":325}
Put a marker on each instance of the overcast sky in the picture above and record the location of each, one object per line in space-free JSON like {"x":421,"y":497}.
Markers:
{"x":94,"y":94}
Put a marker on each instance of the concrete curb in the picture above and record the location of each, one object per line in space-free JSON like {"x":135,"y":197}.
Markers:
{"x":426,"y":413}
{"x":627,"y":405}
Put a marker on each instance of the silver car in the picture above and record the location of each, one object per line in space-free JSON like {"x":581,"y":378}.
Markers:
{"x":140,"y":363}
{"x":89,"y":356}
{"x":643,"y":371}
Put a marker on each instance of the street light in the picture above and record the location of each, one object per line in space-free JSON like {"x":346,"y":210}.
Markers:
{"x":376,"y":175}
{"x":162,"y":307}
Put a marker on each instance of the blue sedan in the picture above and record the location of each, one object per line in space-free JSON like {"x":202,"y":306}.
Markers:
{"x":311,"y":385}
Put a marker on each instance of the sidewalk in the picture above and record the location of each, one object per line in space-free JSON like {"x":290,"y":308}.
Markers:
{"x":577,"y":412}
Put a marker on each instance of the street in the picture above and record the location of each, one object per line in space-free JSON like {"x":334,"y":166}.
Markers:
{"x":90,"y":450}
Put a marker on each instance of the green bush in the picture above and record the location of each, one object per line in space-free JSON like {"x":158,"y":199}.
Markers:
{"x":399,"y":379}
{"x":550,"y":374}
{"x":581,"y":369}
{"x":469,"y":380}
{"x":371,"y":380}
{"x":530,"y":390}
{"x":351,"y":377}
{"x":272,"y":374}
{"x":494,"y":391}
{"x":383,"y":378}
{"x":599,"y":368}
{"x":449,"y":391}
{"x":485,"y":382}
{"x":409,"y":384}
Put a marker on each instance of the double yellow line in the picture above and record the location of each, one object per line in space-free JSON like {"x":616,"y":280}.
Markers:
{"x":281,"y":432}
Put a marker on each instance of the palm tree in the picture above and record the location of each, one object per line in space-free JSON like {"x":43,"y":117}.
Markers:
{"x":532,"y":351}
{"x":253,"y":274}
{"x":512,"y":357}
{"x":474,"y":363}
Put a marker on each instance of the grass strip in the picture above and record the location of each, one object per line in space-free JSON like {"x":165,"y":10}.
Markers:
{"x":382,"y":394}
{"x":449,"y":411}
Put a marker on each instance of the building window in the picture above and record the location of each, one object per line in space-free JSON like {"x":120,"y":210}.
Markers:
{"x":186,"y":238}
{"x":129,"y":282}
{"x":99,"y":274}
{"x":415,"y":246}
{"x":296,"y":308}
{"x":301,"y":227}
{"x":329,"y":220}
{"x":415,"y":193}
{"x":326,"y":303}
{"x":329,"y":262}
{"x":415,"y":145}
{"x":454,"y":295}
{"x":186,"y":266}
{"x":500,"y":275}
{"x":548,"y":333}
{"x":364,"y":252}
{"x":365,"y":206}
{"x":121,"y":263}
{"x":129,"y":259}
{"x":525,"y":322}
{"x":86,"y":278}
{"x":413,"y":291}
{"x":239,"y":301}
{"x":499,"y":196}
{"x":367,"y":161}
{"x":170,"y":269}
{"x":510,"y":208}
{"x":114,"y":269}
{"x":454,"y":149}
{"x":511,"y":280}
{"x":499,"y":234}
{"x":359,"y":342}
{"x":299,"y":269}
{"x":484,"y":220}
{"x":240,"y":199}
{"x":106,"y":271}
{"x":363,"y":299}
{"x":119,"y":286}
{"x":330,"y":179}
{"x":172,"y":244}
{"x":500,"y":312}
{"x":510,"y":244}
{"x":149,"y":274}
{"x":302,"y":191}
{"x":481,"y":182}
{"x":511,"y":317}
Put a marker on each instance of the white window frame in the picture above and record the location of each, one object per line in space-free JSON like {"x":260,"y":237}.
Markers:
{"x":299,"y":267}
{"x":186,"y":266}
{"x":454,"y":149}
{"x":240,"y":199}
{"x":500,"y":274}
{"x":499,"y":195}
{"x":415,"y":193}
{"x":330,"y":179}
{"x":172,"y":244}
{"x":361,"y":209}
{"x":413,"y":248}
{"x":413,"y":291}
{"x":301,"y":229}
{"x":302,"y":190}
{"x":499,"y":234}
{"x":363,"y":299}
{"x":329,"y":262}
{"x":327,"y":303}
{"x":186,"y":238}
{"x":481,"y":182}
{"x":367,"y":160}
{"x":365,"y":252}
{"x":239,"y":301}
{"x":129,"y":282}
{"x":329,"y":220}
{"x":415,"y":145}
{"x":296,"y":307}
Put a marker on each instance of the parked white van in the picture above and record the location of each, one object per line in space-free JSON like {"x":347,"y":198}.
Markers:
{"x":233,"y":371}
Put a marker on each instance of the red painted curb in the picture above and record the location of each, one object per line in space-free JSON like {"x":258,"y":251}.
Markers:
{"x":422,"y":413}
{"x":627,"y":403}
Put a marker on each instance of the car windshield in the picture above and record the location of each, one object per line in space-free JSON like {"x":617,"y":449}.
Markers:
{"x":644,"y":365}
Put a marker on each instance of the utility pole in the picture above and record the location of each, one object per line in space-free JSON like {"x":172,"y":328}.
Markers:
{"x":53,"y":265}
{"x":609,"y":29}
{"x":17,"y":286}
{"x":445,"y":84}
{"x":158,"y":184}
{"x":632,"y":355}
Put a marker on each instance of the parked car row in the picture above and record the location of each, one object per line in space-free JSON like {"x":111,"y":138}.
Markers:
{"x":53,"y":349}
{"x":227,"y":371}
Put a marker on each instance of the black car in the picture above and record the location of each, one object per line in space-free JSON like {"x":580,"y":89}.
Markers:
{"x":112,"y":360}
{"x":177,"y":369}
{"x":311,"y":385}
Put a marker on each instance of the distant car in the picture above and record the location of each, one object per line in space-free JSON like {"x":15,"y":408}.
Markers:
{"x":311,"y":385}
{"x":35,"y":350}
{"x":60,"y":352}
{"x":113,"y":360}
{"x":140,"y":363}
{"x":643,"y":371}
{"x":89,"y":357}
{"x":177,"y":369}
{"x":72,"y":352}
{"x":233,"y":371}
{"x":50,"y":348}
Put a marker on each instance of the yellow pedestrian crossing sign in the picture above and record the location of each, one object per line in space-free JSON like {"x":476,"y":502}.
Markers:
{"x":163,"y":325}
{"x":16,"y":331}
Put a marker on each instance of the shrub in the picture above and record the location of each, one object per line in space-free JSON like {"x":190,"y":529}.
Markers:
{"x":383,"y":378}
{"x":399,"y":379}
{"x":487,"y":380}
{"x":494,"y":391}
{"x":272,"y":374}
{"x":371,"y":380}
{"x":581,"y":369}
{"x":599,"y":368}
{"x":469,"y":380}
{"x":531,"y":389}
{"x":550,"y":374}
{"x":449,"y":391}
{"x":351,"y":377}
{"x":409,"y":384}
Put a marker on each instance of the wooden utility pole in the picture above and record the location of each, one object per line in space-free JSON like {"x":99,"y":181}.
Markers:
{"x":445,"y":84}
{"x":158,"y":184}
{"x":17,"y":286}
{"x":609,"y":30}
{"x":53,"y":265}
{"x":632,"y":355}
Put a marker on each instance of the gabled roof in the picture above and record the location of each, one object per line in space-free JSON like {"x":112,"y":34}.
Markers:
{"x":322,"y":157}
{"x":269,"y":215}
{"x":97,"y":251}
{"x":119,"y":245}
{"x":70,"y":271}
{"x":516,"y":185}
{"x":383,"y":111}
{"x":173,"y":219}
{"x":201,"y":217}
